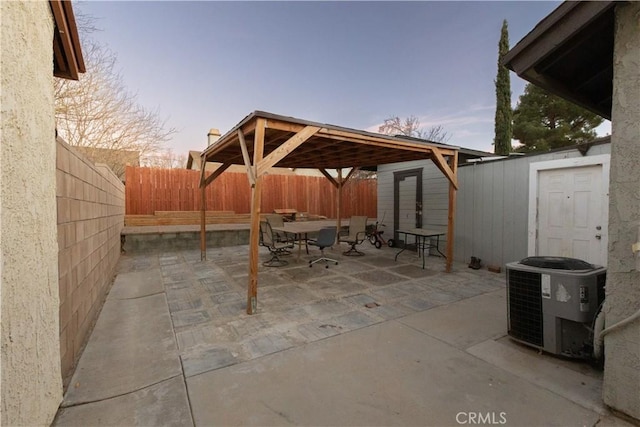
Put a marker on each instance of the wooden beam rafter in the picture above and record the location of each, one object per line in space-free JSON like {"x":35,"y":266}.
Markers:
{"x":247,"y":160}
{"x":203,"y":167}
{"x":283,"y":126}
{"x":329,"y":177}
{"x":441,"y":163}
{"x":382,"y":142}
{"x":283,"y":150}
{"x":451,"y":213}
{"x":223,"y":167}
{"x":350,"y":174}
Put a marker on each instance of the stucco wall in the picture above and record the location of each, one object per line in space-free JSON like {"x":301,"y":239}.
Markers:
{"x":622,"y":347}
{"x":31,"y":383}
{"x":90,"y":218}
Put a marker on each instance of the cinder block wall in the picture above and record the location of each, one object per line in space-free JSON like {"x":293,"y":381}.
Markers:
{"x":90,"y":218}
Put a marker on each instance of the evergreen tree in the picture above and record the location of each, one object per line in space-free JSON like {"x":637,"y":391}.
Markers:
{"x":504,"y":115}
{"x":543,"y":121}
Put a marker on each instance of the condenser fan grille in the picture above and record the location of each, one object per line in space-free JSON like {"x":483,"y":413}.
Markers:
{"x":525,"y":307}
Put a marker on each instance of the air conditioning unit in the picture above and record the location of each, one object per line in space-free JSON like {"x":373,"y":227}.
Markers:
{"x":552,"y":302}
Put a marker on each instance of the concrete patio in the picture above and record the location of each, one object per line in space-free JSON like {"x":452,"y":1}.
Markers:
{"x":370,"y":341}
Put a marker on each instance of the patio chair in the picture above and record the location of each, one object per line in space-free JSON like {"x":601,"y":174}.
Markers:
{"x":276,"y":248}
{"x":357,"y":234}
{"x":277,"y":221}
{"x":326,"y":238}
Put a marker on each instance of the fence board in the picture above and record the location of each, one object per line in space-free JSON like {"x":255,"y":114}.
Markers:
{"x":151,"y":189}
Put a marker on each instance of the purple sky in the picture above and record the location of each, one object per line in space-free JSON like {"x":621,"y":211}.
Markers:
{"x":353,"y":64}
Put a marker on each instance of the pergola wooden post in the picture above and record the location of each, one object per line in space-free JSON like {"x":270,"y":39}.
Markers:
{"x":260,"y":167}
{"x":203,"y":212}
{"x":453,"y":165}
{"x":339,"y":184}
{"x":254,"y":237}
{"x":338,"y":205}
{"x":203,"y":202}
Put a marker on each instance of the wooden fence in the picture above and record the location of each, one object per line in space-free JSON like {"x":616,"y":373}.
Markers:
{"x":149,"y":190}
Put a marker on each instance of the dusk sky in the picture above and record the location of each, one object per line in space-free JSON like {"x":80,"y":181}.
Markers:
{"x":209,"y":64}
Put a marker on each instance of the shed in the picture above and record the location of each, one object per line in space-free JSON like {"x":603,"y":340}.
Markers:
{"x":415,"y":194}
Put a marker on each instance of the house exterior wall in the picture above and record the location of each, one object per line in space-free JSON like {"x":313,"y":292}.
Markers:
{"x":622,"y":347}
{"x":90,"y":201}
{"x":31,"y":387}
{"x":493,"y":207}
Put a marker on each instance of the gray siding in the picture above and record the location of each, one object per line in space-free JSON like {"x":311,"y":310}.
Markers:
{"x":435,"y":195}
{"x":492,"y":204}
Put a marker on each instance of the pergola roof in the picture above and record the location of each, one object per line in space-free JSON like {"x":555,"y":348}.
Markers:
{"x":328,"y":147}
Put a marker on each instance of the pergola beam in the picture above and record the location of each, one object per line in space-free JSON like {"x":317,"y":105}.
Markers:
{"x":285,"y":149}
{"x":329,"y":177}
{"x":223,"y":167}
{"x":251,"y":173}
{"x":382,"y":142}
{"x":350,"y":174}
{"x":441,"y":163}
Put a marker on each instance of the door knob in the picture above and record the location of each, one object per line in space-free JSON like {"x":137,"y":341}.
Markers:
{"x":598,"y":236}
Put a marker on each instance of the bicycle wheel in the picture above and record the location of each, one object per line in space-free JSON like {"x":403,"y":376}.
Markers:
{"x":372,"y":239}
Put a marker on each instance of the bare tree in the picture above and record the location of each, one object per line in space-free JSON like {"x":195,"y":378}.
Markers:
{"x":99,"y":113}
{"x":410,"y":126}
{"x":166,"y":159}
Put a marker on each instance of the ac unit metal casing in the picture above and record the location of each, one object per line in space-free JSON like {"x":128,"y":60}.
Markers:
{"x":552,"y":302}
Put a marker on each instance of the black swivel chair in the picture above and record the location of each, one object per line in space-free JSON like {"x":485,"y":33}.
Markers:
{"x":326,"y":238}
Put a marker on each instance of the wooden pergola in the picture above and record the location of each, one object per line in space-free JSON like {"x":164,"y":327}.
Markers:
{"x":263,"y":140}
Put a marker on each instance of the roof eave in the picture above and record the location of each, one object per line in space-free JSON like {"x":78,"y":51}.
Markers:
{"x":553,"y":31}
{"x":551,"y":40}
{"x":68,"y":61}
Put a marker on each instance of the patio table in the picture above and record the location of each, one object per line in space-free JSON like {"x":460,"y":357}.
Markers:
{"x":423,"y":240}
{"x":302,"y":229}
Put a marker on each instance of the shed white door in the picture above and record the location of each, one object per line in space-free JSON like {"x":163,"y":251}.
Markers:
{"x":570,"y":214}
